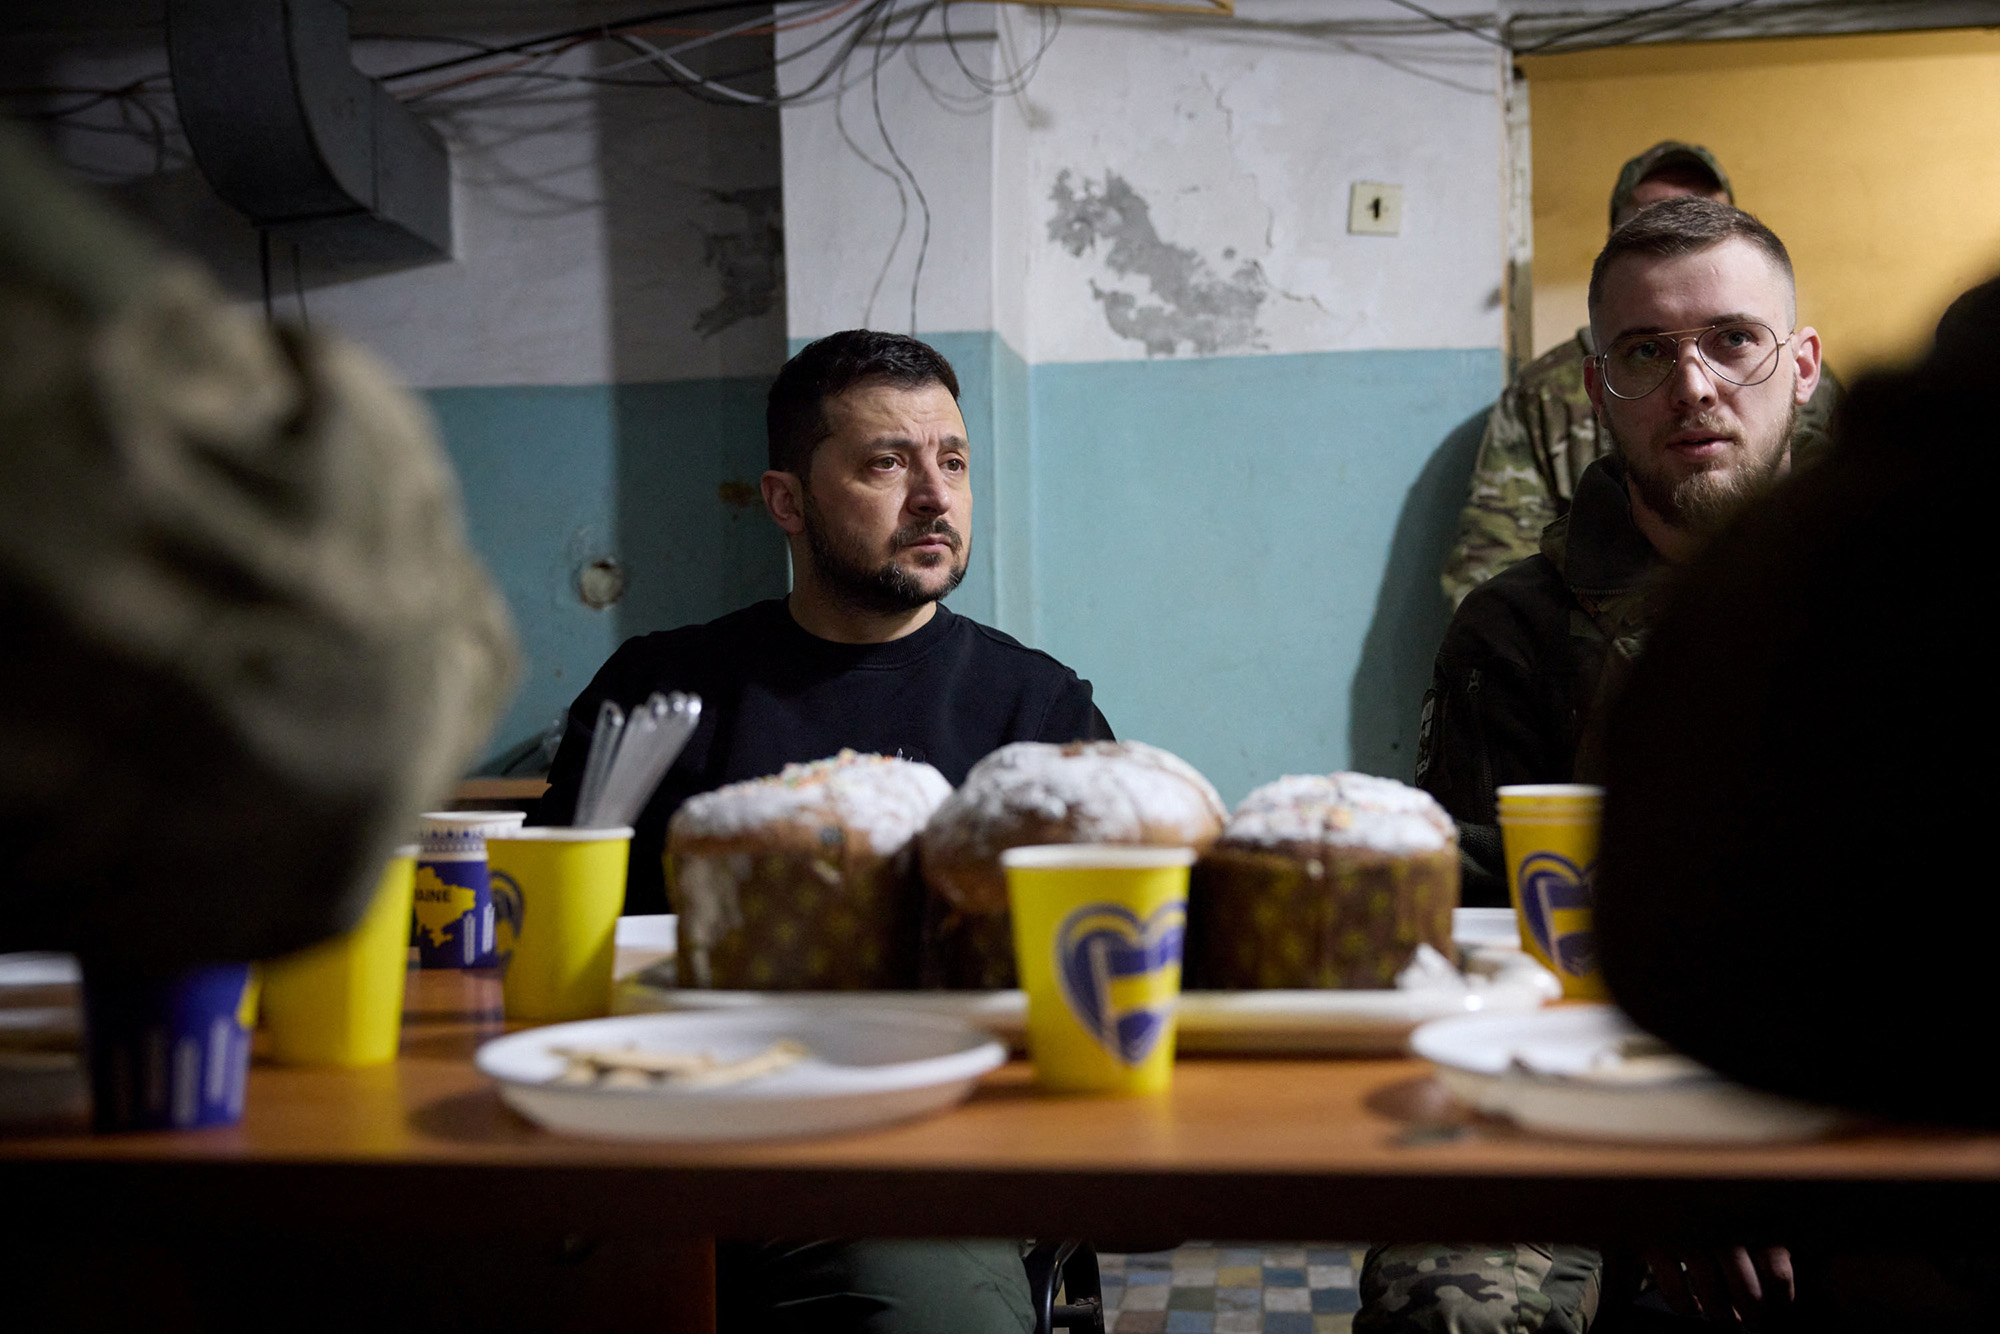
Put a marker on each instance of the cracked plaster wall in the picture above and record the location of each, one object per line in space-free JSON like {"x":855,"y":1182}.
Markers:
{"x":1232,"y":145}
{"x":1242,"y":142}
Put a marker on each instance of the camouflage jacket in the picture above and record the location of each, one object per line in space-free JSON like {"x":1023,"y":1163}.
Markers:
{"x":1527,"y":658}
{"x":1540,"y":437}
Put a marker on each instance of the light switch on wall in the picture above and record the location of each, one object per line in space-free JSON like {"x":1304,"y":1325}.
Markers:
{"x":1375,"y":210}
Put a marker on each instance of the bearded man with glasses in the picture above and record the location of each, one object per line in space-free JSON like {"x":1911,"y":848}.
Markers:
{"x":1704,"y":369}
{"x":1543,"y":433}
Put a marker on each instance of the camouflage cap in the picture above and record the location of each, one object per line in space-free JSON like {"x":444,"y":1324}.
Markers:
{"x":1666,"y":154}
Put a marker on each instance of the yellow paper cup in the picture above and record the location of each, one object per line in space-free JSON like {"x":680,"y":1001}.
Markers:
{"x":1097,"y":941}
{"x":341,"y":1002}
{"x":557,"y":894}
{"x":1549,"y":831}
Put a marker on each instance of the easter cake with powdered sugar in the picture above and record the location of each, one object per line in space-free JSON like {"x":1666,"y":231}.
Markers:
{"x":804,"y":880}
{"x":1034,"y":792}
{"x":1323,"y":880}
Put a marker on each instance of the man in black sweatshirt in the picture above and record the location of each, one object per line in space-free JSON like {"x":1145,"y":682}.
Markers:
{"x":870,"y":482}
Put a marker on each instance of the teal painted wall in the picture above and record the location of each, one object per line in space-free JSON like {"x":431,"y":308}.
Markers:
{"x":1241,"y":553}
{"x":652,"y":475}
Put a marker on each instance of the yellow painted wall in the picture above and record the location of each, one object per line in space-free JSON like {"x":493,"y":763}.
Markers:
{"x":1875,"y":158}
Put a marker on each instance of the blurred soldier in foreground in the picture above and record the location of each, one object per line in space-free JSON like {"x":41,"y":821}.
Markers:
{"x":1794,"y":811}
{"x":1542,"y":434}
{"x":1790,"y":790}
{"x":242,"y":640}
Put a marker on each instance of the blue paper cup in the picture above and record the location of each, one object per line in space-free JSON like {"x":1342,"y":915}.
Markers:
{"x":452,"y":922}
{"x":167,"y":1050}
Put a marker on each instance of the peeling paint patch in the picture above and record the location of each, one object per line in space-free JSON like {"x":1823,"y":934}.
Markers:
{"x":1194,"y":306}
{"x":750,"y":260}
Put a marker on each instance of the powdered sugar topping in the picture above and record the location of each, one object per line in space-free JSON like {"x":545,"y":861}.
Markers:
{"x":1344,"y":810}
{"x":1106,"y":791}
{"x":884,"y":798}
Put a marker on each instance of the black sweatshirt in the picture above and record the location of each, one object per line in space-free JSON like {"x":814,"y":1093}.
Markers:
{"x":773,"y":694}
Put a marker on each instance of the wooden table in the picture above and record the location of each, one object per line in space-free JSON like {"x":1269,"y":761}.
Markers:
{"x":1257,"y":1149}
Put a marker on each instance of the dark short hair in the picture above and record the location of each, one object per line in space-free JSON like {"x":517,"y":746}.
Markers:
{"x":795,"y":415}
{"x":1684,"y":226}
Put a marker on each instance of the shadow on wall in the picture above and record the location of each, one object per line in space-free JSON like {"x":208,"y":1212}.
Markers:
{"x":692,"y":531}
{"x":694,"y":283}
{"x":1411,"y":611}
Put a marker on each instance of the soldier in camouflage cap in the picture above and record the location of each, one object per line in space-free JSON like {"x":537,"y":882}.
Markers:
{"x":1541,"y":434}
{"x":1667,"y":170}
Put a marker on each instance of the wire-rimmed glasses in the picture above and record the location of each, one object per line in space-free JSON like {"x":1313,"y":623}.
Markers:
{"x":1742,"y":352}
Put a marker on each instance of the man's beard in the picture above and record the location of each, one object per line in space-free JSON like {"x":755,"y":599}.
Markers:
{"x":852,"y":575}
{"x":1702,"y":502}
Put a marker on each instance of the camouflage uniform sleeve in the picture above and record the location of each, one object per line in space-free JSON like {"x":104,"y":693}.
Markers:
{"x":1509,"y":503}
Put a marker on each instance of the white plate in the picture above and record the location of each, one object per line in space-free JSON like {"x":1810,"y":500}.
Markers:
{"x":1485,"y":928}
{"x":39,"y":970}
{"x":1563,"y":1071}
{"x":647,"y":931}
{"x":41,"y":1074}
{"x":643,"y":942}
{"x":1325,"y":1023}
{"x":866,"y":1069}
{"x":1500,"y":979}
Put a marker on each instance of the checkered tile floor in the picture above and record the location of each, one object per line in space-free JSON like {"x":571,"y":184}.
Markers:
{"x":1233,"y":1288}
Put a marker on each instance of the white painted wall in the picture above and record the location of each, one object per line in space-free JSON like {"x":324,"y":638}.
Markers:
{"x":593,"y":229}
{"x":1240,"y":139}
{"x":854,"y":219}
{"x":581,"y":215}
{"x":1243,"y":139}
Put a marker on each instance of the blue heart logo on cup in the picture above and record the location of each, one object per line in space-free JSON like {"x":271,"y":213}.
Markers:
{"x":1552,"y":883}
{"x":509,"y":907}
{"x":1104,"y":957}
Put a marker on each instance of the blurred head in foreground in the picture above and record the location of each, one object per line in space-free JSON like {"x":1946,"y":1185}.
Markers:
{"x":1799,"y":768}
{"x":242,"y":639}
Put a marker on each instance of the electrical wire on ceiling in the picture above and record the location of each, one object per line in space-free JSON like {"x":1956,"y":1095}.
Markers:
{"x":902,"y":206}
{"x":527,"y":59}
{"x":882,"y":125}
{"x":1016,"y":81}
{"x":654,"y":50}
{"x":133,"y":104}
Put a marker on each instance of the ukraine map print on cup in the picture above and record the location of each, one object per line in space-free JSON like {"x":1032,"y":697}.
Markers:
{"x":1098,"y":936}
{"x":452,"y":922}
